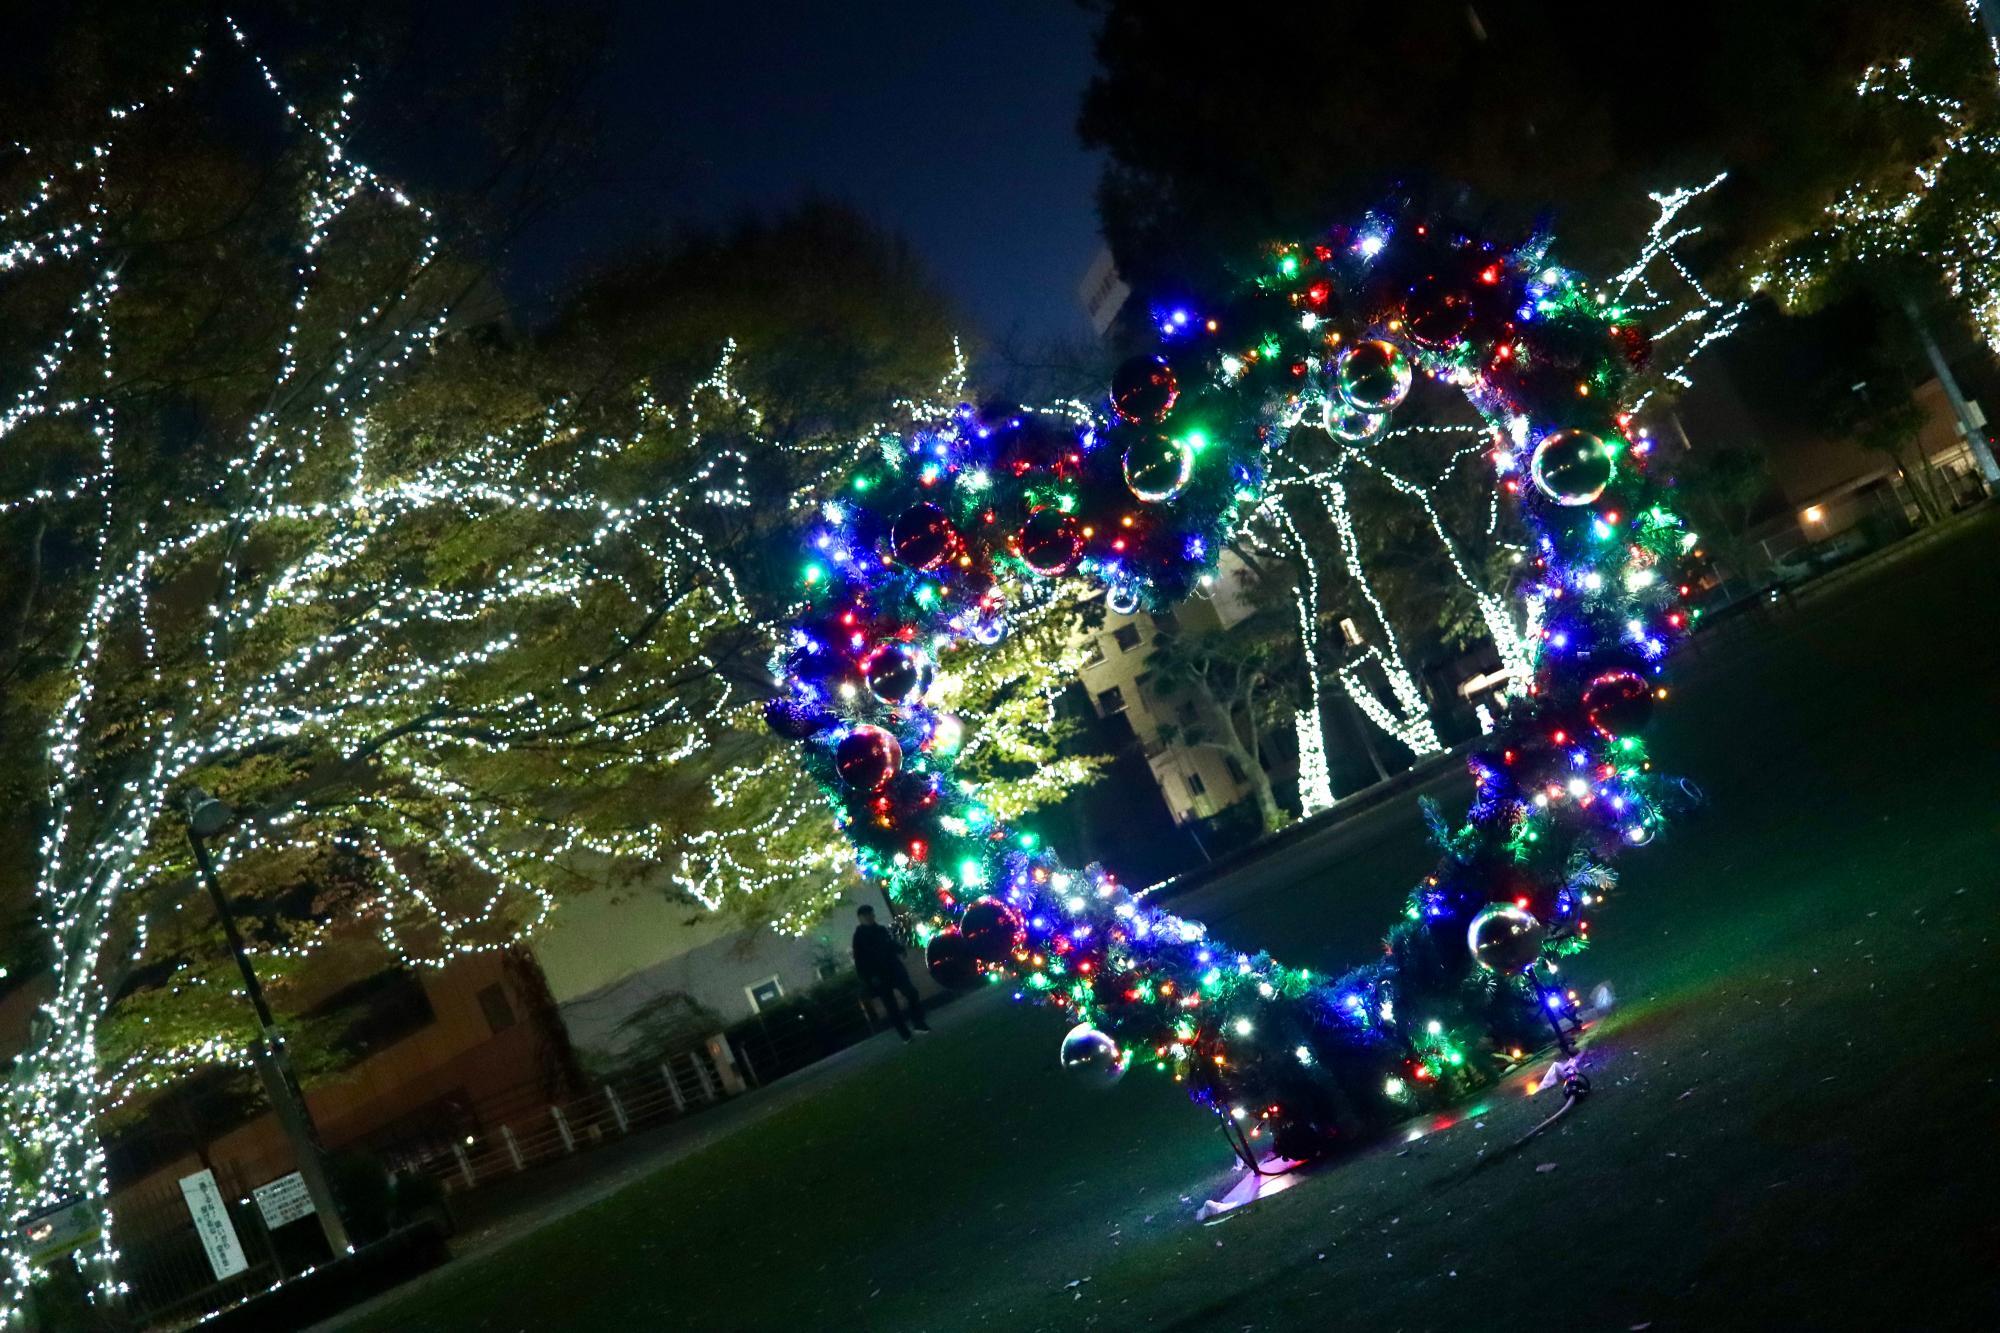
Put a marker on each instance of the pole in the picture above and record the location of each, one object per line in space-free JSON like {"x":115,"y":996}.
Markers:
{"x":1989,"y":470}
{"x":274,"y":1069}
{"x":1362,"y":724}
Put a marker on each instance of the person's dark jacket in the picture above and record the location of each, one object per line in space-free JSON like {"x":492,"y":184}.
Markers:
{"x":876,"y":953}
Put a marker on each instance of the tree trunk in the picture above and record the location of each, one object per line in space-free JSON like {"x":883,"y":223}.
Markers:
{"x":1230,"y":742}
{"x":1268,"y":809}
{"x":1989,"y":469}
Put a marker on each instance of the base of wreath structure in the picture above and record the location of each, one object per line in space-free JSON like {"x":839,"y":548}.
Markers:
{"x":1258,"y":1175}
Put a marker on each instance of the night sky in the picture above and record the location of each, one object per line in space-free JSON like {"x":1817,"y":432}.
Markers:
{"x":954,"y":125}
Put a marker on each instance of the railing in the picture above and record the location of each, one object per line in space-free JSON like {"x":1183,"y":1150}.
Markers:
{"x":798,"y":1033}
{"x":520,"y":1130}
{"x":464,"y":1144}
{"x":163,"y":1263}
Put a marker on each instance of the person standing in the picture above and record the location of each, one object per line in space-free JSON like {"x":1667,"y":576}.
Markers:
{"x":878,"y":958}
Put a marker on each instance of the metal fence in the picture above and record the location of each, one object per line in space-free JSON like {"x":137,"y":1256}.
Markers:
{"x":801,"y":1031}
{"x":163,"y":1263}
{"x":464,"y":1143}
{"x":520,"y":1129}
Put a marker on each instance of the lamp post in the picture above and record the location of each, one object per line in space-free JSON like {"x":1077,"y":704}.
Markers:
{"x":208,"y":817}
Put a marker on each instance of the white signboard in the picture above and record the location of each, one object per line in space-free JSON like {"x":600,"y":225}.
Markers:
{"x":211,"y":1220}
{"x":284,"y":1200}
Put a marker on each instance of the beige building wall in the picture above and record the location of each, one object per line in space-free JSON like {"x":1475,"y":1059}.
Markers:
{"x":1195,"y":781}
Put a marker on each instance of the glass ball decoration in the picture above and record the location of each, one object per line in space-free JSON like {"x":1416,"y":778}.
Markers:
{"x":1157,"y":467}
{"x":1351,"y":423}
{"x":923,"y":537}
{"x":867,"y":757}
{"x":1437,"y":312}
{"x":896,"y":673}
{"x":1093,"y":1055}
{"x":1049,"y":541}
{"x":1571,"y":467}
{"x":947,"y":734}
{"x":1373,"y":376}
{"x":1026,"y":444}
{"x":1505,"y":938}
{"x":1143,"y":390}
{"x":992,"y":928}
{"x":951,"y":962}
{"x":1618,"y":703}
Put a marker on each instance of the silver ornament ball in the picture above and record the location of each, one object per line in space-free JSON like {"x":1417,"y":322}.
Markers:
{"x":1505,"y":938}
{"x":1094,"y":1055}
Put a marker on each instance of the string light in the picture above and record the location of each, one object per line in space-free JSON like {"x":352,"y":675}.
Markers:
{"x":952,"y":522}
{"x":324,"y":646}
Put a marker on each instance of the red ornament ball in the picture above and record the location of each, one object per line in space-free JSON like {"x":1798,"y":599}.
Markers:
{"x":867,"y":757}
{"x":1156,"y":467}
{"x":1050,"y":541}
{"x":951,"y":961}
{"x":1143,"y":390}
{"x":993,"y":929}
{"x":1618,"y":703}
{"x":896,"y":673}
{"x":1437,"y":313}
{"x":923,"y":537}
{"x":1025,"y":444}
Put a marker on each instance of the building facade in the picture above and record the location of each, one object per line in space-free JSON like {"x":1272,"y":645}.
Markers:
{"x":632,"y":972}
{"x":1197,"y":782}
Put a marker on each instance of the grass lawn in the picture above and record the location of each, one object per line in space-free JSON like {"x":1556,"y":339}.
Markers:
{"x":1791,"y":1128}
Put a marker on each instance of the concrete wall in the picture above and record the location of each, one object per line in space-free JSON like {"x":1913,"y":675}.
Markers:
{"x":624,"y":970}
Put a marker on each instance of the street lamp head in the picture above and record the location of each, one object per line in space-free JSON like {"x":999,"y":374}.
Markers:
{"x":207,"y":816}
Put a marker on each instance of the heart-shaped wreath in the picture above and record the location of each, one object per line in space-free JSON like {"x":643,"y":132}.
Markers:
{"x":918,"y":555}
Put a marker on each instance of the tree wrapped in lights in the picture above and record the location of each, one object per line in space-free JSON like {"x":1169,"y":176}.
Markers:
{"x":929,"y":544}
{"x":452,"y":643}
{"x":1940,"y":214}
{"x":1932,"y":221}
{"x":1398,"y":483}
